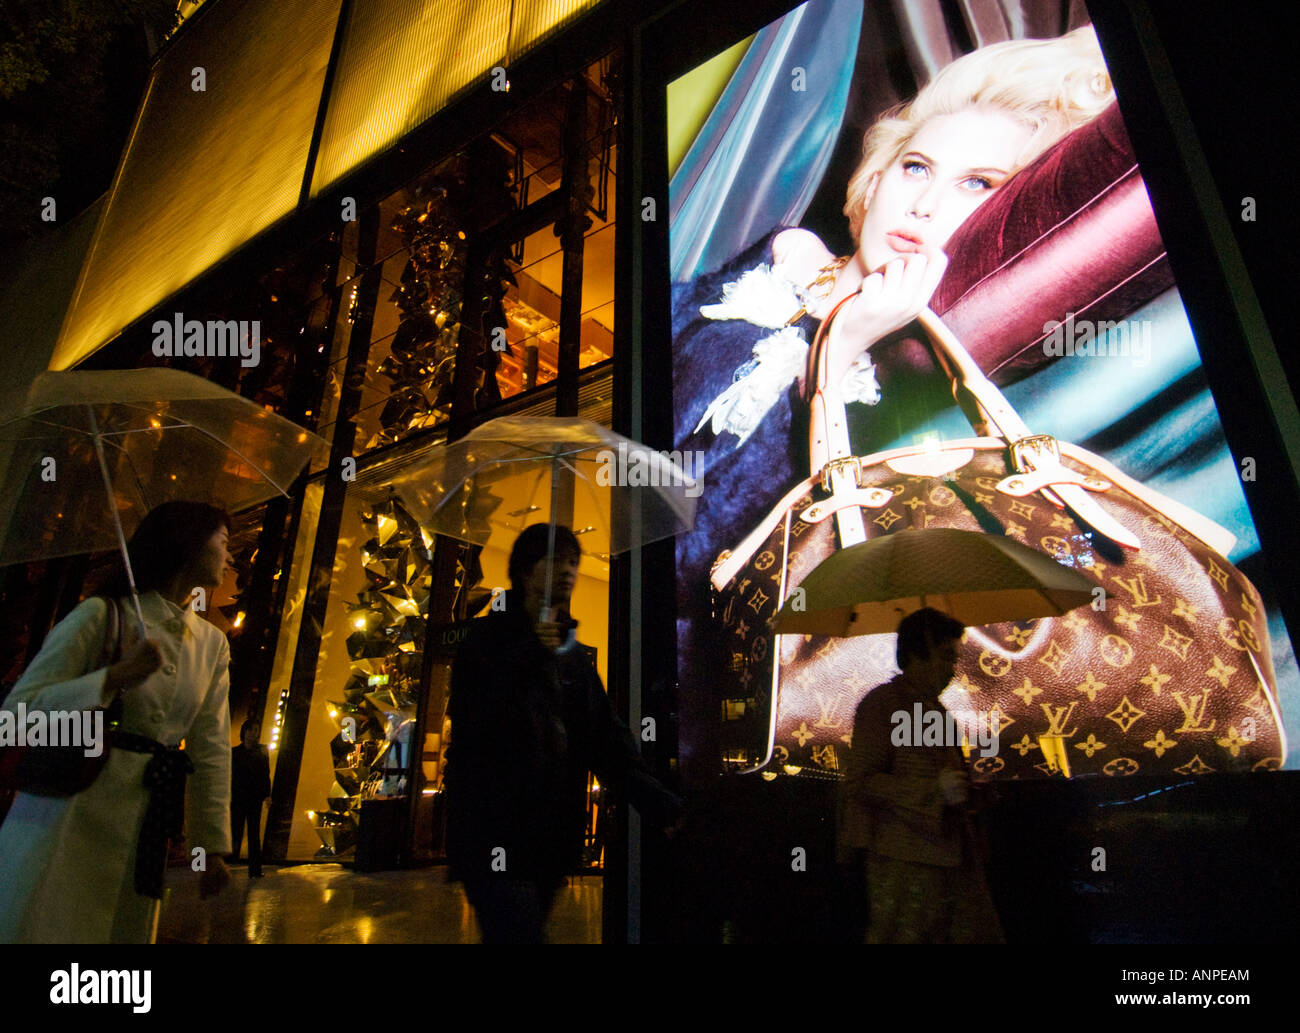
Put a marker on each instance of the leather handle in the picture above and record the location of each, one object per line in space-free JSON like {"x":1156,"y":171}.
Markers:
{"x":828,"y":427}
{"x":828,"y":430}
{"x":828,"y":436}
{"x":1003,"y":421}
{"x":829,"y":440}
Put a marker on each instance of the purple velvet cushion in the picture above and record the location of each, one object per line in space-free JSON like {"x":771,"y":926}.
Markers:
{"x":1073,"y":232}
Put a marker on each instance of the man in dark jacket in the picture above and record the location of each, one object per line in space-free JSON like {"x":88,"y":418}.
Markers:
{"x":250,"y":784}
{"x":529,"y":719}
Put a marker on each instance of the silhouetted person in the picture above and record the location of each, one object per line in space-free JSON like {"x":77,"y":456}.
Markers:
{"x":529,"y":720}
{"x":904,"y":803}
{"x":250,"y":778}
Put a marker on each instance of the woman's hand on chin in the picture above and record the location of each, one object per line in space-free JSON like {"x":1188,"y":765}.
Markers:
{"x":890,"y":298}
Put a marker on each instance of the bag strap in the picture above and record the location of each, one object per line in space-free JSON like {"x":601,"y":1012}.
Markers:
{"x":828,"y":429}
{"x":110,"y":652}
{"x":1036,"y":455}
{"x":829,"y":449}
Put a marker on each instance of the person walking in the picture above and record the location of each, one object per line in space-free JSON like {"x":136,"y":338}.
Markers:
{"x":905,"y":803}
{"x":529,"y":720}
{"x":250,"y":771}
{"x":89,"y":868}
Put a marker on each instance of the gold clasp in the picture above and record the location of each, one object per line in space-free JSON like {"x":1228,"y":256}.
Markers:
{"x":1028,"y":453}
{"x":846,"y":464}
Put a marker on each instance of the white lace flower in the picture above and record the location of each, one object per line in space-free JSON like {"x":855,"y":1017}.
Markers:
{"x":763,"y":296}
{"x":778,"y":360}
{"x":767,"y":297}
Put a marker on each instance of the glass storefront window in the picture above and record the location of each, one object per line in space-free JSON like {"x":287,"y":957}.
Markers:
{"x":367,"y":680}
{"x":532,"y":305}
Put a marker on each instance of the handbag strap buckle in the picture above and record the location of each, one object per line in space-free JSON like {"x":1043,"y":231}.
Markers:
{"x":844,"y":465}
{"x":1035,"y":452}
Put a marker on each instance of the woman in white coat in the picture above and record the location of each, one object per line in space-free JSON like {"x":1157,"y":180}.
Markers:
{"x":72,"y":868}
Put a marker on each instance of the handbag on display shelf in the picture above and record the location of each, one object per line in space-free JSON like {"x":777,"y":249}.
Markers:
{"x":1169,"y":670}
{"x":65,"y":770}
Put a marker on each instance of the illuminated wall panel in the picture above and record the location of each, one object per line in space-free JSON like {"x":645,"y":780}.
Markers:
{"x":205,"y":170}
{"x":403,"y":62}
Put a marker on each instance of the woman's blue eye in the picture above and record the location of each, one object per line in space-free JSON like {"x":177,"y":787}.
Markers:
{"x":914,"y":168}
{"x":980,"y":182}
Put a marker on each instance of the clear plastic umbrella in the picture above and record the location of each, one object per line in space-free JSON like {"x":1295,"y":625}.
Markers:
{"x":519,"y":470}
{"x":137,"y":438}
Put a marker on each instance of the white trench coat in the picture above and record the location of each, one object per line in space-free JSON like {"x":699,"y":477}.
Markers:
{"x":67,"y":864}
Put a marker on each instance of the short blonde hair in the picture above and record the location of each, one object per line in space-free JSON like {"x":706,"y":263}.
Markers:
{"x":1053,"y":86}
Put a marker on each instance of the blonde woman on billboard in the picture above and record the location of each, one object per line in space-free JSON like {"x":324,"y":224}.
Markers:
{"x":927,"y":166}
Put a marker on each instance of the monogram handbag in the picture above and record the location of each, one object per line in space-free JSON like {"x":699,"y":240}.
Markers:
{"x":65,"y":770}
{"x":1169,"y":670}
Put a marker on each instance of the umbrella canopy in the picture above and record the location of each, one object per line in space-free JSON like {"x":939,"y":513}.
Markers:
{"x":973,"y":577}
{"x":165,"y":435}
{"x":517,"y":470}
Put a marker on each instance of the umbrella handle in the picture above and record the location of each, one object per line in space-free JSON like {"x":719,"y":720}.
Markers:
{"x":549,"y":560}
{"x":117,"y":520}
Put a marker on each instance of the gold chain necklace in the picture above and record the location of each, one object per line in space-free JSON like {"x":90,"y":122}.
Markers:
{"x":820,"y":288}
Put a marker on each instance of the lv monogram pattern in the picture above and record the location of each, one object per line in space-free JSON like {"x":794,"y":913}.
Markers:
{"x":1168,"y":672}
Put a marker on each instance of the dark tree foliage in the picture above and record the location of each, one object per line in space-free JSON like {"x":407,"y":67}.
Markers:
{"x":71,"y":76}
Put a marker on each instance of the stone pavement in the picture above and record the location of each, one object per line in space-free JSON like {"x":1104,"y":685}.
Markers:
{"x":328,"y":903}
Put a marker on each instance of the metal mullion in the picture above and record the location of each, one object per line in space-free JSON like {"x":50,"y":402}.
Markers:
{"x":322,"y":109}
{"x":256,"y":658}
{"x":302,"y":680}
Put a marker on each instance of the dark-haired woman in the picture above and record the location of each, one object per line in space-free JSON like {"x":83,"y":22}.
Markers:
{"x":88,"y":868}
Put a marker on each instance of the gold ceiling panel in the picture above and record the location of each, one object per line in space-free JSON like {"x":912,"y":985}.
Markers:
{"x":402,"y":62}
{"x":205,"y":170}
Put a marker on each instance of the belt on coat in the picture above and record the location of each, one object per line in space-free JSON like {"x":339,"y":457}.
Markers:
{"x":164,"y":817}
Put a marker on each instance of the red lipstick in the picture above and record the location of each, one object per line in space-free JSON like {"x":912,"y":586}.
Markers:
{"x":902,"y":242}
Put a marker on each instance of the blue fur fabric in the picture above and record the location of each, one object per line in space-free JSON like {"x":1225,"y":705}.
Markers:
{"x":740,"y":484}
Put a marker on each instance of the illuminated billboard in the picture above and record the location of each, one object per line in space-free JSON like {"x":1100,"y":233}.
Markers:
{"x":919,"y":284}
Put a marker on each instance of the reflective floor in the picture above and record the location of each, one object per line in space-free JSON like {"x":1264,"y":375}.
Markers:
{"x":327,"y":903}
